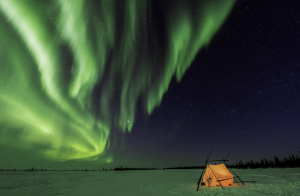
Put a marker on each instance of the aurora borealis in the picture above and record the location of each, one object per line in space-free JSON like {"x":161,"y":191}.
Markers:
{"x":147,"y":83}
{"x":73,"y":70}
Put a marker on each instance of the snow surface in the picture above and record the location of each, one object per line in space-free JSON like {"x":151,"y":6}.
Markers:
{"x":145,"y":183}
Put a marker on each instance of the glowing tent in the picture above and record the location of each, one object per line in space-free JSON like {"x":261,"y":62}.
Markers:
{"x":217,"y":175}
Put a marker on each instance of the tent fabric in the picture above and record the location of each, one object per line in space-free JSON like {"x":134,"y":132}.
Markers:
{"x":216,"y":174}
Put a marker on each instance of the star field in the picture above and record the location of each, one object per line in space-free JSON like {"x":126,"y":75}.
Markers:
{"x":147,"y":83}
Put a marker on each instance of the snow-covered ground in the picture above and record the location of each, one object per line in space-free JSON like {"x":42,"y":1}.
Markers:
{"x":143,"y":183}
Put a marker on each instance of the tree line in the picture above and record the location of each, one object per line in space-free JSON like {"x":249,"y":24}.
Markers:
{"x":287,"y":162}
{"x":133,"y":168}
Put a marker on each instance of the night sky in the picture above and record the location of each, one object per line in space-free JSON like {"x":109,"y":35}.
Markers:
{"x":158,"y":83}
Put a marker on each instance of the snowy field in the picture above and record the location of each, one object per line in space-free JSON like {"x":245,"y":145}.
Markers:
{"x":143,"y":183}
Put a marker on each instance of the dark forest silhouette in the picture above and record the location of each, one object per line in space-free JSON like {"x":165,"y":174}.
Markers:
{"x":287,"y":162}
{"x":290,"y":162}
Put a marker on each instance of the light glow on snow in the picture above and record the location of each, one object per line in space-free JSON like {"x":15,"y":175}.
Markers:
{"x":275,"y":182}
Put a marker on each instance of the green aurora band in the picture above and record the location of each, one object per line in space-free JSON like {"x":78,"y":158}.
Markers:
{"x":71,"y":71}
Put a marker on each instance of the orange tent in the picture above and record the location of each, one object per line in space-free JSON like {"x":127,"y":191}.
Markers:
{"x":216,"y":174}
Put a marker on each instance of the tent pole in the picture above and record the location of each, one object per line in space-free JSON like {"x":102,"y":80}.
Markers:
{"x":203,"y":169}
{"x":230,"y":168}
{"x":226,"y":164}
{"x":237,"y":177}
{"x":215,"y":176}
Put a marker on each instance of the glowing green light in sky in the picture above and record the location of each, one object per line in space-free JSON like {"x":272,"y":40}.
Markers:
{"x":62,"y":59}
